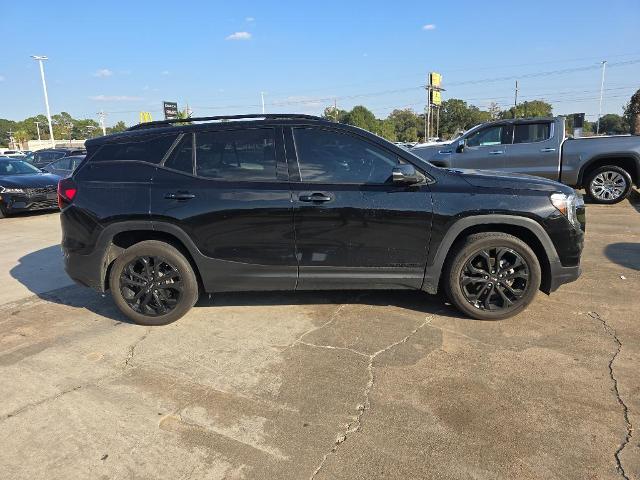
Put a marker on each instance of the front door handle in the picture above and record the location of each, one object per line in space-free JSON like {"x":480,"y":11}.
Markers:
{"x":179,"y":196}
{"x":315,"y":197}
{"x":496,"y":152}
{"x":547,"y":150}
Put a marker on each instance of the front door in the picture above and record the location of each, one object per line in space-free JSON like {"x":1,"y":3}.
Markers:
{"x":484,"y":149}
{"x":228,"y":191}
{"x":354,"y":228}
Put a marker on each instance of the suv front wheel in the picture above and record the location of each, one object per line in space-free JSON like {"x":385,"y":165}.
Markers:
{"x":152,"y":283}
{"x":491,"y":276}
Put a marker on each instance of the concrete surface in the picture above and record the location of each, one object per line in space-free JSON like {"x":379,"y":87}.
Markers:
{"x":321,"y":385}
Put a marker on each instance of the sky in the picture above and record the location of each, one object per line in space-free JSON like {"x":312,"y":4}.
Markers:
{"x":218,"y":56}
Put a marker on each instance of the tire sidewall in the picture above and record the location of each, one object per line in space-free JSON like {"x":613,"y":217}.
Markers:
{"x":609,"y":168}
{"x":171,"y":255}
{"x":454,"y":290}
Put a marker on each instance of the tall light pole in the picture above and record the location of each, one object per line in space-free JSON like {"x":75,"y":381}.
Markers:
{"x":262,"y":98}
{"x":40,"y":59}
{"x":38,"y":127}
{"x":604,"y":66}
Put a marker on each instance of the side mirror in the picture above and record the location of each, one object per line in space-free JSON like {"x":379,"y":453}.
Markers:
{"x":461,"y":145}
{"x":406,"y":175}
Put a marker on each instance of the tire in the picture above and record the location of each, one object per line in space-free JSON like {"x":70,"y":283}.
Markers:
{"x":466,"y":262}
{"x":140,"y":293}
{"x":608,"y":185}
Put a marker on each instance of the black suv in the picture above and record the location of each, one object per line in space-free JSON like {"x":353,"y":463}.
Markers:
{"x":167,"y":210}
{"x":44,"y":157}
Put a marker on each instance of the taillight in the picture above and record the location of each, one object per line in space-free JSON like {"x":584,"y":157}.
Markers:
{"x":67,"y":191}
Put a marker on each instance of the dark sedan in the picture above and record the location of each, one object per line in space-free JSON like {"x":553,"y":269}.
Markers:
{"x":24,"y":187}
{"x":65,"y":166}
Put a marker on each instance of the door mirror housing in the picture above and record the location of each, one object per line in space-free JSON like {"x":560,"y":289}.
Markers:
{"x":406,"y":175}
{"x":461,"y":145}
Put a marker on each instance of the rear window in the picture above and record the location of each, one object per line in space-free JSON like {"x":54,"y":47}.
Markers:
{"x":147,"y":149}
{"x":532,"y":132}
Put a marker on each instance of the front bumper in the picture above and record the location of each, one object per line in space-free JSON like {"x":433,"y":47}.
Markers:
{"x":17,"y":202}
{"x":561,"y":275}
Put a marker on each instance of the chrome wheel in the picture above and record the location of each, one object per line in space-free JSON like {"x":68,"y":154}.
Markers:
{"x":151,"y":286}
{"x":608,"y":186}
{"x":494,"y":279}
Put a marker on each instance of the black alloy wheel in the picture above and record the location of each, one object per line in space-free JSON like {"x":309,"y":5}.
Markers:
{"x":151,"y":285}
{"x":494,"y":279}
{"x":491,"y":275}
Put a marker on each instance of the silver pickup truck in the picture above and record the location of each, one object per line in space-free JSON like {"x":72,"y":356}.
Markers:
{"x":606,"y":167}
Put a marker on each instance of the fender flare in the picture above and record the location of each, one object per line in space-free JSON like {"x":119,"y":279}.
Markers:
{"x":613,"y":156}
{"x":433,"y":271}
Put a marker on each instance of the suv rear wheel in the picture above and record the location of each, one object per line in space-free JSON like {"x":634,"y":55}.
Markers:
{"x":152,"y":283}
{"x":491,"y":276}
{"x":609,"y":184}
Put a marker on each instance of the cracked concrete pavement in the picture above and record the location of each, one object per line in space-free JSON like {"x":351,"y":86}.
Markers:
{"x":325,"y":385}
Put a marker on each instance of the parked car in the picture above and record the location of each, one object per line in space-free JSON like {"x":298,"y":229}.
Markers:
{"x":12,"y":153}
{"x":606,"y":166}
{"x":24,"y":187}
{"x":160,"y":212}
{"x":42,"y":158}
{"x":65,"y":166}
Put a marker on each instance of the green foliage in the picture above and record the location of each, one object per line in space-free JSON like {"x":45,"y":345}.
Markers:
{"x":118,"y":127}
{"x":457,"y":116}
{"x":406,"y":125}
{"x":534,"y":108}
{"x":587,"y":129}
{"x":613,"y":124}
{"x":632,"y":113}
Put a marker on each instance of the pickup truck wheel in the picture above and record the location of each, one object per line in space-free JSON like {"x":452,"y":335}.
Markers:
{"x":491,"y":276}
{"x":608,"y":184}
{"x":152,"y":283}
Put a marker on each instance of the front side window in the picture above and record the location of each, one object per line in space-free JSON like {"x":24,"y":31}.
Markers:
{"x":146,"y":149}
{"x":242,"y":155}
{"x":532,"y":132}
{"x":326,"y":156}
{"x":486,"y":136}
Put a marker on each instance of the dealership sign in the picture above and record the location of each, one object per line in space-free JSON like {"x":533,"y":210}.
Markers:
{"x":170,"y":110}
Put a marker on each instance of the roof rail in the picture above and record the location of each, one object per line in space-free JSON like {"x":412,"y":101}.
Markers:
{"x":266,"y":116}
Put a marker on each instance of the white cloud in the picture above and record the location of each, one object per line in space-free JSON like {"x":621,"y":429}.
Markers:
{"x":146,"y":87}
{"x":103,"y":72}
{"x":115,"y":98}
{"x":249,"y":19}
{"x":1,"y":78}
{"x":165,"y":72}
{"x":239,"y":36}
{"x":429,"y":26}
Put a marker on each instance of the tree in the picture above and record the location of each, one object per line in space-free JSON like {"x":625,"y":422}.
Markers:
{"x":334,"y":114}
{"x":613,"y":124}
{"x":632,"y":113}
{"x":362,"y":117}
{"x":534,"y":108}
{"x":457,"y":116}
{"x":406,"y":124}
{"x":118,"y":127}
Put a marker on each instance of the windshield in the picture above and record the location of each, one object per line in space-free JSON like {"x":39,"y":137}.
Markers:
{"x":16,"y":167}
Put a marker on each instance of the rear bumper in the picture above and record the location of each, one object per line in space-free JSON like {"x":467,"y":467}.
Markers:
{"x":561,"y":275}
{"x":87,"y":270}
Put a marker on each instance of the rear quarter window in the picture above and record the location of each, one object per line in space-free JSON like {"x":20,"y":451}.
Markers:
{"x":145,"y":149}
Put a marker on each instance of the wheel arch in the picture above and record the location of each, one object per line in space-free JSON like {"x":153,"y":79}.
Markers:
{"x":526,"y":229}
{"x":628,"y":161}
{"x":119,"y":237}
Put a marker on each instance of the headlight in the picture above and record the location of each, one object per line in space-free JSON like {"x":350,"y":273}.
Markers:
{"x":566,"y":204}
{"x":11,"y":190}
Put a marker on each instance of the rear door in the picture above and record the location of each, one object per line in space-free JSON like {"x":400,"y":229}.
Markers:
{"x":354,"y":228}
{"x":535,"y":149}
{"x":486,"y":148}
{"x":227,"y":190}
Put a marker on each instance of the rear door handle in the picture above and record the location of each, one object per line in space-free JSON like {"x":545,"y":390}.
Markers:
{"x":315,"y":197}
{"x":179,"y":196}
{"x":496,"y":152}
{"x":547,"y":150}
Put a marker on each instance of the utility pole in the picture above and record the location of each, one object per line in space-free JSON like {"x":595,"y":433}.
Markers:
{"x":262,"y":98}
{"x":604,"y":66}
{"x":40,"y":59}
{"x":101,"y":114}
{"x":38,"y":128}
{"x":515,"y":103}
